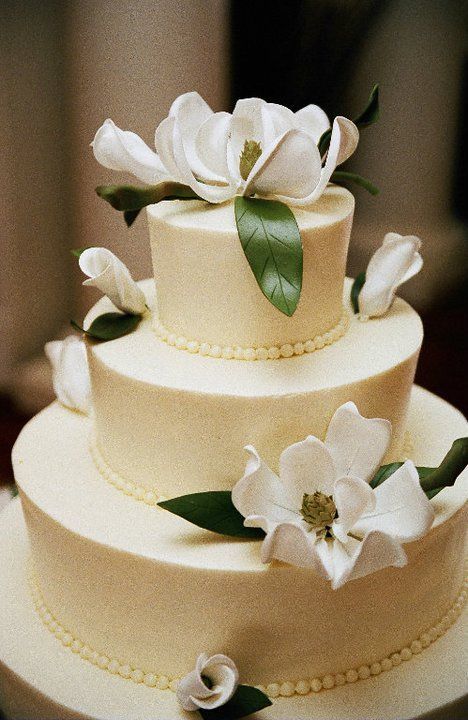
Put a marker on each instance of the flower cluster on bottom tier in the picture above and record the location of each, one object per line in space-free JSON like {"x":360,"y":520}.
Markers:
{"x":274,"y":689}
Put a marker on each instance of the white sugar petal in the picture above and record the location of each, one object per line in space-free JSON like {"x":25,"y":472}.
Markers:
{"x":393,"y":263}
{"x":343,"y":142}
{"x":169,"y":144}
{"x":212,"y":144}
{"x":313,"y":120}
{"x":305,"y":467}
{"x":290,"y":168}
{"x":353,"y":497}
{"x":261,"y":493}
{"x":125,"y":151}
{"x":376,"y":552}
{"x":109,"y":274}
{"x":292,"y":544}
{"x":70,"y":374}
{"x":357,"y":444}
{"x":402,"y":509}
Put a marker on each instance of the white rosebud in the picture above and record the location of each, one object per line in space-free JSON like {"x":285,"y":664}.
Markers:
{"x":106,"y":272}
{"x":70,"y":374}
{"x":212,"y":683}
{"x":396,"y":261}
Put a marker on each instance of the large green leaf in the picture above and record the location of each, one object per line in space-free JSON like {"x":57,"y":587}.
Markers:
{"x":356,"y":289}
{"x":213,"y":511}
{"x":110,"y":326}
{"x":130,"y":199}
{"x":341,"y":176}
{"x":432,"y":480}
{"x":272,"y":244}
{"x":245,"y":701}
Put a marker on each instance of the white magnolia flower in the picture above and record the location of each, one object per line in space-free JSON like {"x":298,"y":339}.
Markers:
{"x":212,"y":683}
{"x":203,"y":149}
{"x":321,"y":512}
{"x":396,"y":261}
{"x":106,"y":272}
{"x":70,"y":374}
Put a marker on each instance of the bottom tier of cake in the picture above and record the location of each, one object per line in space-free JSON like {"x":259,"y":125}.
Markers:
{"x":146,"y":591}
{"x":40,"y":678}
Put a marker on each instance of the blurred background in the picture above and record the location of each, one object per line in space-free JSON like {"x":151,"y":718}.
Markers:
{"x":69,"y":64}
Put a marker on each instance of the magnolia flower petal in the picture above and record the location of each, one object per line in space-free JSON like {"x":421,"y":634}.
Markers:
{"x":70,"y":374}
{"x":261,"y":493}
{"x":169,"y":144}
{"x":293,"y":544}
{"x":313,"y":120}
{"x":343,"y":142}
{"x":282,"y":117}
{"x":353,"y":497}
{"x":106,"y":272}
{"x":191,"y":112}
{"x":290,"y":167}
{"x":375,"y":552}
{"x":396,"y":261}
{"x":402,"y":509}
{"x":251,"y":120}
{"x":124,"y":150}
{"x":211,"y":144}
{"x":305,"y":467}
{"x":357,"y":444}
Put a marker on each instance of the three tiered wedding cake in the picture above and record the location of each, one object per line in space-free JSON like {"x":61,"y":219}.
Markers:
{"x":246,"y":487}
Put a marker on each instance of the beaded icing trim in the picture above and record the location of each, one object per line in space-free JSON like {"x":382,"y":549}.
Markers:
{"x":128,"y":487}
{"x":236,"y":352}
{"x":274,"y":689}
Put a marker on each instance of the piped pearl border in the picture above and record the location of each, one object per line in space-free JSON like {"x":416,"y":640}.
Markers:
{"x":128,"y":487}
{"x":236,"y":352}
{"x":273,"y":690}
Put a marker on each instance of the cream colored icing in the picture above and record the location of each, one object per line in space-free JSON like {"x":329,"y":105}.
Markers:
{"x":177,"y":423}
{"x":123,"y":576}
{"x":40,"y":678}
{"x":286,"y":688}
{"x":207,"y":291}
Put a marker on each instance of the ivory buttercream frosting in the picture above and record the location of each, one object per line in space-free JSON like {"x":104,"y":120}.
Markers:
{"x":255,"y":504}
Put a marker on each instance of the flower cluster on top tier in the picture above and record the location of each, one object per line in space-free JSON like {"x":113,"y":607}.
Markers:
{"x":261,"y":148}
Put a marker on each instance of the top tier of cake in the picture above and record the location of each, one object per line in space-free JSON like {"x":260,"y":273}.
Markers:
{"x":207,"y":291}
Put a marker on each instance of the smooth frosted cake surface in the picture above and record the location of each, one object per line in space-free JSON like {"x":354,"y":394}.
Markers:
{"x":206,"y":289}
{"x":134,"y":560}
{"x":158,"y":407}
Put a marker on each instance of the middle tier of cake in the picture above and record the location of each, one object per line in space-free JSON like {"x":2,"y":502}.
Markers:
{"x":172,"y":423}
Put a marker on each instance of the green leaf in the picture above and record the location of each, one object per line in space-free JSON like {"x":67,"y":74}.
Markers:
{"x":341,"y":176}
{"x":130,"y":216}
{"x":369,"y":115}
{"x":79,"y":251}
{"x":213,"y":511}
{"x":356,"y":289}
{"x":383,"y":473}
{"x":110,"y":326}
{"x":245,"y":701}
{"x":371,"y":112}
{"x":130,"y":199}
{"x":449,"y":469}
{"x":433,"y":480}
{"x":14,"y":490}
{"x":272,"y":244}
